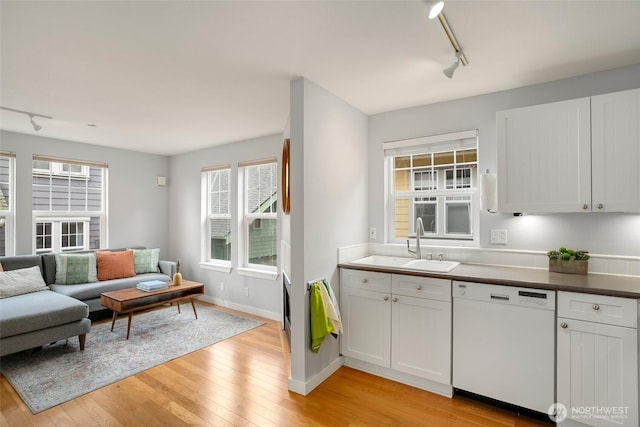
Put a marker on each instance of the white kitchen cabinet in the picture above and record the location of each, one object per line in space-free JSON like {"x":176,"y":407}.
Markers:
{"x":544,"y":157}
{"x":597,"y":359}
{"x":421,"y":327}
{"x":366,"y":316}
{"x":580,"y":155}
{"x":615,"y":151}
{"x":401,"y":331}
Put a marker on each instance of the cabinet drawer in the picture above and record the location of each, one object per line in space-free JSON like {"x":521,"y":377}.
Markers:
{"x":368,"y":280}
{"x":421,"y":287}
{"x":598,"y":308}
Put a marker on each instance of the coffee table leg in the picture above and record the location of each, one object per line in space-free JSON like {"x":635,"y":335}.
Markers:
{"x":113,"y":320}
{"x":178,"y":304}
{"x":194,"y":308}
{"x":129,"y":324}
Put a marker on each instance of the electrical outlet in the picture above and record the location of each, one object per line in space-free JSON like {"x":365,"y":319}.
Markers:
{"x":498,"y":237}
{"x":246,"y":292}
{"x":372,"y":232}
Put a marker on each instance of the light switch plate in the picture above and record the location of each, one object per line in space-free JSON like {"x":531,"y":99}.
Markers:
{"x":498,"y":237}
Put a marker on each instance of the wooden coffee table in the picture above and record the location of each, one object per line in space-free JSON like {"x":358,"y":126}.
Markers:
{"x":128,"y":301}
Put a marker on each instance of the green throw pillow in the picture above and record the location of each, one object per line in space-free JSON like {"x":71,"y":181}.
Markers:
{"x":72,"y":269}
{"x":146,"y":260}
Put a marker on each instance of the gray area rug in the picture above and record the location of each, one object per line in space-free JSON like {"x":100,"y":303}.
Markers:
{"x":60,"y":372}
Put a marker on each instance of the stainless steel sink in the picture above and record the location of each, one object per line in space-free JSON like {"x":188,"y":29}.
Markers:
{"x":407,"y":263}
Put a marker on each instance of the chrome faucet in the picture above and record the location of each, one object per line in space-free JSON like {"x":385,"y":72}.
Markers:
{"x":419,"y":232}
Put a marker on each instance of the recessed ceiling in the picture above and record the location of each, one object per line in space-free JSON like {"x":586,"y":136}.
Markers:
{"x":168,"y":77}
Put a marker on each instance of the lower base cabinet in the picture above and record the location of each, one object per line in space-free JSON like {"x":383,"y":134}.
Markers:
{"x":398,"y":326}
{"x":597,"y":360}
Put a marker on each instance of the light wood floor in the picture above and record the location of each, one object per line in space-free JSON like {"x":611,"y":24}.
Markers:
{"x":243,"y":382}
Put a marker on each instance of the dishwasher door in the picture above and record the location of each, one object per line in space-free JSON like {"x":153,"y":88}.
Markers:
{"x":504,"y":343}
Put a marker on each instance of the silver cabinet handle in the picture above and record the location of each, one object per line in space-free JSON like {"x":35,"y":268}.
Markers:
{"x":596,"y":307}
{"x":600,"y":206}
{"x":419,"y":287}
{"x":564,"y":325}
{"x":585,"y":207}
{"x":386,"y":298}
{"x":364,"y":281}
{"x":395,"y":300}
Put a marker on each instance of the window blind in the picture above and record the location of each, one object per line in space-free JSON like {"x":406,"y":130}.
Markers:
{"x":91,"y":163}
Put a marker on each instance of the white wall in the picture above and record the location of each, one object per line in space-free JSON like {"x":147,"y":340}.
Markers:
{"x":328,"y":210}
{"x":186,"y":226}
{"x":600,"y":233}
{"x":138,"y":209}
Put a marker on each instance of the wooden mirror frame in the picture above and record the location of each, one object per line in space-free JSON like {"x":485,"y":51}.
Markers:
{"x":286,"y":178}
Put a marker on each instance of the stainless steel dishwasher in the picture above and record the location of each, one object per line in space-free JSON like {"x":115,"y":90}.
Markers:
{"x":504,"y":343}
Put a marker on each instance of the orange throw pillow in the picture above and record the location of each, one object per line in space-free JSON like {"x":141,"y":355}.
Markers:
{"x":115,"y":265}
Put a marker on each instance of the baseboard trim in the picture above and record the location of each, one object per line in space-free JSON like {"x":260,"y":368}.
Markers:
{"x":307,"y":387}
{"x":243,"y":308}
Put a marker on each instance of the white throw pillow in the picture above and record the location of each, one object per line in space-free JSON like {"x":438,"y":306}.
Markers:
{"x":21,"y":281}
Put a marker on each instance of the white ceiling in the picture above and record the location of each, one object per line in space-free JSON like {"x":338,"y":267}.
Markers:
{"x":168,"y":77}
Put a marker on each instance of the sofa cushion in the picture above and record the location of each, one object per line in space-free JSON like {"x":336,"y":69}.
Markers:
{"x":146,"y":260}
{"x":115,"y":265}
{"x":75,"y":268}
{"x":39,"y":310}
{"x":89,"y":291}
{"x":21,"y":281}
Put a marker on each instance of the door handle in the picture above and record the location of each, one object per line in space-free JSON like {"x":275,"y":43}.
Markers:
{"x":500,"y":297}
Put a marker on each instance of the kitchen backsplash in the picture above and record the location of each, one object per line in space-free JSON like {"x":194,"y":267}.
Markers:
{"x":598,"y":263}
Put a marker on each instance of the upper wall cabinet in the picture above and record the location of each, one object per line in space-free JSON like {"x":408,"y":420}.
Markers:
{"x":615,"y":151}
{"x":581,"y":155}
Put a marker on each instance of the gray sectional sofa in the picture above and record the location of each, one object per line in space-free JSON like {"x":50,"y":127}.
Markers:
{"x":62,"y":311}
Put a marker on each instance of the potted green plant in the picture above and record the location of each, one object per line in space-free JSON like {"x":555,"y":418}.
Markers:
{"x":568,"y":261}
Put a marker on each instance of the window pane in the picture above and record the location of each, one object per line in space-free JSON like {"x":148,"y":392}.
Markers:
{"x":425,"y":180}
{"x":402,"y":162}
{"x":402,"y":217}
{"x":262,"y":188}
{"x":3,"y":237}
{"x":443,"y":158}
{"x":467,"y":156}
{"x":458,"y":218}
{"x":220,"y":236}
{"x":422,"y":160}
{"x":425,"y":208}
{"x":401,"y":180}
{"x":262,"y":242}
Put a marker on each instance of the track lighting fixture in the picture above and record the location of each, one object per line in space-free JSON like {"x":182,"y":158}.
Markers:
{"x":32,"y":116}
{"x":452,"y":68}
{"x":435,"y":9}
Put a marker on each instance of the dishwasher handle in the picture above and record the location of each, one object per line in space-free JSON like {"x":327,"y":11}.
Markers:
{"x":500,"y":297}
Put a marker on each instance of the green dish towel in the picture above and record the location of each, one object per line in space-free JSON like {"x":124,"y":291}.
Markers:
{"x":320,"y":325}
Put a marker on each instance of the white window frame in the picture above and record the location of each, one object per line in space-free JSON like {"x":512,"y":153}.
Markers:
{"x":207,"y":262}
{"x":246,"y":268}
{"x":57,"y":217}
{"x":7,"y":217}
{"x":419,"y":146}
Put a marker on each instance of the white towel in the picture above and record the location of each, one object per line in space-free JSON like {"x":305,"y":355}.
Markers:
{"x":330,"y":305}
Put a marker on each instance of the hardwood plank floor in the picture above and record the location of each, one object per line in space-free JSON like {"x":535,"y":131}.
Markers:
{"x":242,"y":381}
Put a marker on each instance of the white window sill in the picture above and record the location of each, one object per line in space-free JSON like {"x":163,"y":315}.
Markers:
{"x":223,"y":268}
{"x":259,"y":274}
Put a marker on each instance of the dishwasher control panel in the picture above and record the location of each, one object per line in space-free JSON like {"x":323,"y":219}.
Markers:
{"x":511,"y":295}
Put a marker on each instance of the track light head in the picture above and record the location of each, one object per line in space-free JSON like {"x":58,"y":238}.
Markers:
{"x":35,"y":125}
{"x":435,"y":7}
{"x":452,"y":68}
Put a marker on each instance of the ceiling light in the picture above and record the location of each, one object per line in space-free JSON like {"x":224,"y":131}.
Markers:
{"x":435,"y":7}
{"x":36,"y":126}
{"x":460,"y":58}
{"x":32,"y":116}
{"x":452,"y":68}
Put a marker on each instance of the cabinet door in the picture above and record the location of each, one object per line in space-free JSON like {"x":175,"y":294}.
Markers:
{"x":421,"y":337}
{"x":544,"y":158}
{"x":366,"y":323}
{"x":615,"y":127}
{"x":597,"y":367}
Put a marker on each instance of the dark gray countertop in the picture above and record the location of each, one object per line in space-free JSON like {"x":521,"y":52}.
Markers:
{"x":602,"y":284}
